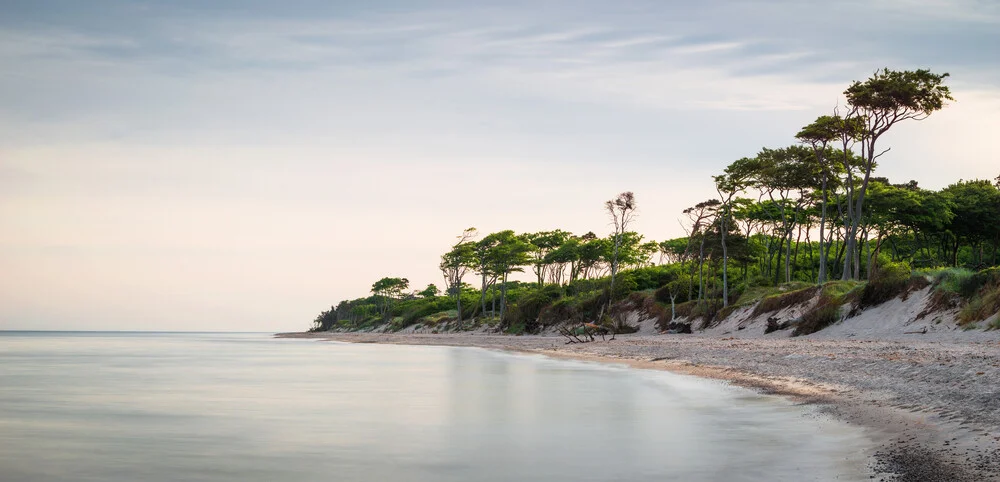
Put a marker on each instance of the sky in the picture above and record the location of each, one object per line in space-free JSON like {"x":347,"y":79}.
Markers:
{"x":241,"y":165}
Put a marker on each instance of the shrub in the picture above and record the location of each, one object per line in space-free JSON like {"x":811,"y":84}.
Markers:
{"x":651,"y":277}
{"x":411,"y":311}
{"x":525,"y":311}
{"x":795,"y":286}
{"x":581,"y":286}
{"x":583,"y":307}
{"x":645,"y":303}
{"x":825,"y":313}
{"x":841,"y":290}
{"x":888,"y":282}
{"x":625,"y":283}
{"x":663,"y":294}
{"x":964,"y":283}
{"x":754,"y":294}
{"x":956,"y":281}
{"x":516,"y":329}
{"x":685,"y":309}
{"x":981,"y":306}
{"x":783,"y":300}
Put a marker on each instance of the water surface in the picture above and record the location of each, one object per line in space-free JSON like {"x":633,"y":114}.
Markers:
{"x":246,"y":407}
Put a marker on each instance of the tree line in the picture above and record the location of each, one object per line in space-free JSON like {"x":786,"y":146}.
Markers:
{"x":810,"y":212}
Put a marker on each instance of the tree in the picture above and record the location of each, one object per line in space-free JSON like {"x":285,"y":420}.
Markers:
{"x":543,"y":243}
{"x":876,"y":105}
{"x":701,"y":216}
{"x":455,"y":264}
{"x":568,"y":253}
{"x":977,"y":215}
{"x":429,"y":292}
{"x":483,"y":263}
{"x":621,"y":210}
{"x":727,"y":185}
{"x":507,"y":254}
{"x":647,"y":251}
{"x":388,"y":290}
{"x":819,"y":135}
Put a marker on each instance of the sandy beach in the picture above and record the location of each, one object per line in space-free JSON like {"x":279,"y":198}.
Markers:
{"x":931,"y":404}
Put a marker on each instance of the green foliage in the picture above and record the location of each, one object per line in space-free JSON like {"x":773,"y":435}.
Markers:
{"x":753,"y":294}
{"x":430,"y":291}
{"x":525,"y":311}
{"x":652,"y":277}
{"x":686,"y":309}
{"x":912,"y":93}
{"x":956,"y":281}
{"x":409,"y":312}
{"x":781,"y":301}
{"x":981,"y":306}
{"x":825,"y":313}
{"x":579,"y":308}
{"x":889,"y":281}
{"x":986,"y":300}
{"x":840,"y":290}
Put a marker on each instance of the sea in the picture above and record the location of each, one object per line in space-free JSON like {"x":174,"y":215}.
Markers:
{"x":115,"y":406}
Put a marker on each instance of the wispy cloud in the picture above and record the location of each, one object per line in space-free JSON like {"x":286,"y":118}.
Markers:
{"x":176,"y":147}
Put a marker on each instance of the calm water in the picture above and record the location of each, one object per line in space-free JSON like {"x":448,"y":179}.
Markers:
{"x":209,"y":407}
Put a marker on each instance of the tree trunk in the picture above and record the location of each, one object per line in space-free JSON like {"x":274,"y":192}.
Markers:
{"x":701,"y":269}
{"x":725,"y":264}
{"x":822,"y":234}
{"x":503,"y":297}
{"x":482,"y":296}
{"x":458,"y":295}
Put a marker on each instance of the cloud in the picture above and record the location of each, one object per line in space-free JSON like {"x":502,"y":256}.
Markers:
{"x":281,"y":156}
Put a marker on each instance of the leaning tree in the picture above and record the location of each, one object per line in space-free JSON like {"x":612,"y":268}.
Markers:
{"x":887,"y":98}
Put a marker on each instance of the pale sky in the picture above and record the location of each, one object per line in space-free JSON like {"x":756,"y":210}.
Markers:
{"x":170,"y":165}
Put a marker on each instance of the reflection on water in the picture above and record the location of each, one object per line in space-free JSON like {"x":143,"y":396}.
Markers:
{"x":200,"y":407}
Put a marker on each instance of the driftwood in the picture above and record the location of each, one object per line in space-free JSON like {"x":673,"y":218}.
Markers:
{"x":583,"y":333}
{"x":918,"y":332}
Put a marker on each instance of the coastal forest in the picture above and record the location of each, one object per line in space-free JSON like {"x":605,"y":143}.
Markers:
{"x":810,"y":219}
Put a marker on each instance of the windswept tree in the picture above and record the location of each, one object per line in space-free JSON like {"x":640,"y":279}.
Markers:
{"x":541,"y":244}
{"x":887,"y":98}
{"x":429,"y":292}
{"x":820,"y":135}
{"x":508,"y":253}
{"x":621,"y":210}
{"x":976,"y":217}
{"x":736,"y":179}
{"x":387,"y":291}
{"x":592,"y":252}
{"x":456,"y":263}
{"x":701,"y":216}
{"x":567,"y":255}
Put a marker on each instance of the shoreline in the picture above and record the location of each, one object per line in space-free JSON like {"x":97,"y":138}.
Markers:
{"x":899,"y":391}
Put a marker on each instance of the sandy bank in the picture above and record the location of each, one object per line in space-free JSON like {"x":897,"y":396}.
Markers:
{"x":933,"y":405}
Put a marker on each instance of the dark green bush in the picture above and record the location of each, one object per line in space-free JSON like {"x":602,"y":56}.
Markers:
{"x":411,"y":311}
{"x":982,"y":306}
{"x":526,"y":310}
{"x":663,"y":294}
{"x":783,"y":300}
{"x":650,"y":277}
{"x":825,"y":313}
{"x":889,"y":281}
